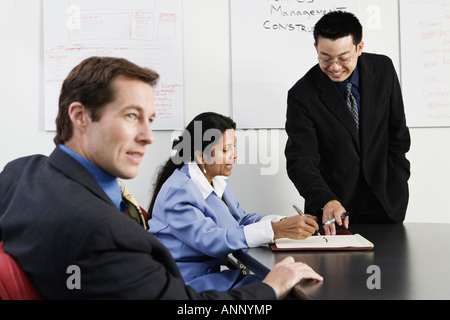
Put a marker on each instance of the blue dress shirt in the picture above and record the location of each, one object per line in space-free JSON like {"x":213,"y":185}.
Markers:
{"x":106,"y":181}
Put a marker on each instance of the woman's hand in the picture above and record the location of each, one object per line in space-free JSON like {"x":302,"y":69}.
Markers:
{"x":295,"y":227}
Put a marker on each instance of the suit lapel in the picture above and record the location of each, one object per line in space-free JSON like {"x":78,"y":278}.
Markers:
{"x":75,"y":171}
{"x":368,"y":82}
{"x":231,"y":204}
{"x":335,"y":102}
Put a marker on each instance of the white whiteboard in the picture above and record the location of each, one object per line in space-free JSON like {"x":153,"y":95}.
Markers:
{"x":146,"y":32}
{"x":272,"y":47}
{"x":425,"y":61}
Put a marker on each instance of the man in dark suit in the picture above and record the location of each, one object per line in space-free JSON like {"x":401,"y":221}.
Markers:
{"x":63,"y":218}
{"x":347,"y":142}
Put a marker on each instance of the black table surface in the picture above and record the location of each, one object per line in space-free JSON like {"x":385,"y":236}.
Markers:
{"x":409,"y":261}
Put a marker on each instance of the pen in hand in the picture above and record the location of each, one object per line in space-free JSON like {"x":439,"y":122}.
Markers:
{"x":300,"y":212}
{"x":328,"y":222}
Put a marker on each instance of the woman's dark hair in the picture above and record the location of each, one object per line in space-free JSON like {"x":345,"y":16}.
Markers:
{"x":194,"y":138}
{"x":338,"y":24}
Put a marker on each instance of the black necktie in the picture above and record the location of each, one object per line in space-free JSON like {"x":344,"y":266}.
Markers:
{"x":133,"y":208}
{"x":351,"y":104}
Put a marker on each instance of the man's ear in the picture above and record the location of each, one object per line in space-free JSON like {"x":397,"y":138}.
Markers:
{"x":359,"y":48}
{"x":79,"y":115}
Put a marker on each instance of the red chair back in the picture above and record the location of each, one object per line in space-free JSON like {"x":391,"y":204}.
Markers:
{"x":14,"y":283}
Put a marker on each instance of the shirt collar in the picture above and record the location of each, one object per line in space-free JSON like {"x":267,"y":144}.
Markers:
{"x":354,"y":79}
{"x":106,"y":181}
{"x":219,"y":183}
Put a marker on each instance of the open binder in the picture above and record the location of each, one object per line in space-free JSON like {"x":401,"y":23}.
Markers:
{"x":343,"y":240}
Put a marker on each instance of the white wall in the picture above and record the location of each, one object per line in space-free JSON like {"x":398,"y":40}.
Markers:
{"x":207,"y":83}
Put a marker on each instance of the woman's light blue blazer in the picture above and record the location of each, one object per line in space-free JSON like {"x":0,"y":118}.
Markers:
{"x":199,"y":232}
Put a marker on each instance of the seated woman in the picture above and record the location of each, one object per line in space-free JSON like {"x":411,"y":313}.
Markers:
{"x":195,"y":214}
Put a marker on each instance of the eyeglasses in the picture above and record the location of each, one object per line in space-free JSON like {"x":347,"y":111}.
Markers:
{"x":339,"y":62}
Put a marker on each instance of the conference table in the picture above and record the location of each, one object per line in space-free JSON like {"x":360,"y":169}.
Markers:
{"x":409,"y":261}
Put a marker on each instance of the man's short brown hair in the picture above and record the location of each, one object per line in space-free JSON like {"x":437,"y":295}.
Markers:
{"x":90,"y":83}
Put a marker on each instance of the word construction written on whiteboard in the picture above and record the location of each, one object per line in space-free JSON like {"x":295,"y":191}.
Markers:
{"x":146,"y":32}
{"x":272,"y":46}
{"x":425,"y":61}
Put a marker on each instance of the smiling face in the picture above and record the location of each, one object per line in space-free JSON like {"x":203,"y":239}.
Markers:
{"x":343,"y":51}
{"x":116,"y":142}
{"x":223,"y":156}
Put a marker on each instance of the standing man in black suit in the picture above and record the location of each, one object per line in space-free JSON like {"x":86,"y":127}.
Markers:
{"x":347,"y":133}
{"x":63,"y":218}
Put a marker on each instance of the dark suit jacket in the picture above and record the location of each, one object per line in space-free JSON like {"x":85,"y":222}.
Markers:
{"x":326,"y":156}
{"x":53,"y":214}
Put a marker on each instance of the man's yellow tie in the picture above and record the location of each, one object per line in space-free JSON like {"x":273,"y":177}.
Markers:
{"x":133,"y":208}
